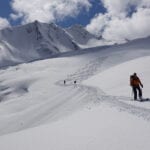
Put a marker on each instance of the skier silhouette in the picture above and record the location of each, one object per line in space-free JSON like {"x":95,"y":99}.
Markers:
{"x":136,"y":84}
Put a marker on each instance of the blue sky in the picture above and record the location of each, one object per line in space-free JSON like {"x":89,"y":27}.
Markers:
{"x":5,"y":8}
{"x":83,"y":17}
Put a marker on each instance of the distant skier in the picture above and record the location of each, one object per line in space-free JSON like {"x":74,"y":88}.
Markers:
{"x":75,"y":82}
{"x":64,"y":82}
{"x":136,"y":84}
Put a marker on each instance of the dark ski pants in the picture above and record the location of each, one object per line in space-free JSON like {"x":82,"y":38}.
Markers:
{"x":135,"y":89}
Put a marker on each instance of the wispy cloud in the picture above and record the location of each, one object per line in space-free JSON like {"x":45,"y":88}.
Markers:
{"x":47,"y":10}
{"x":4,"y":23}
{"x":127,"y":19}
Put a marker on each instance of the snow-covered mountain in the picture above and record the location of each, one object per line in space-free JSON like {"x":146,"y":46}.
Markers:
{"x":80,"y":34}
{"x":41,"y":40}
{"x":38,"y":40}
{"x":33,"y":41}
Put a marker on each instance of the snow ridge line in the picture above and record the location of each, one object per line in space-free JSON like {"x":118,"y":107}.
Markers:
{"x":97,"y":95}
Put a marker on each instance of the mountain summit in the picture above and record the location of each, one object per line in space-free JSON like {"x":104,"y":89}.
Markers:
{"x":38,"y":40}
{"x":33,"y":41}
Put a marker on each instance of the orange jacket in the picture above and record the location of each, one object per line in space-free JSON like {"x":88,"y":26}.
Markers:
{"x":135,"y":81}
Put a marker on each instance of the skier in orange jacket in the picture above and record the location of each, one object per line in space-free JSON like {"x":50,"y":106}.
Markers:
{"x":136,"y":84}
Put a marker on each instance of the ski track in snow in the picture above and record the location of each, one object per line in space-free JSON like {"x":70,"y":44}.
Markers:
{"x":97,"y":95}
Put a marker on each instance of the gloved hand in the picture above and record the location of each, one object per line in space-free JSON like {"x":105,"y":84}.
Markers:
{"x":142,"y":85}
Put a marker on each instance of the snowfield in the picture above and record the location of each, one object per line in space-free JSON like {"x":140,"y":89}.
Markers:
{"x":99,"y":128}
{"x":115,"y":81}
{"x":37,"y":111}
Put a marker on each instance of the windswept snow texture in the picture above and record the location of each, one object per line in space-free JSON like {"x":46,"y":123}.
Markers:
{"x":37,"y":111}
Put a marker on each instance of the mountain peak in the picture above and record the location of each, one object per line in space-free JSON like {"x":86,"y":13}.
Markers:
{"x":32,"y":41}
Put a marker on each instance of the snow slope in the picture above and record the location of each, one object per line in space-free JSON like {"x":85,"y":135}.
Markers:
{"x":118,"y":83}
{"x":80,"y":116}
{"x":99,"y":128}
{"x":118,"y":77}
